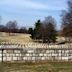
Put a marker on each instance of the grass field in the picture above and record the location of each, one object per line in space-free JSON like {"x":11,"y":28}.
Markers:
{"x":28,"y":66}
{"x":36,"y":67}
{"x":20,"y":38}
{"x":5,"y":37}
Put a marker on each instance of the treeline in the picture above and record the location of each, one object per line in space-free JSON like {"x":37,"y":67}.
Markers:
{"x":12,"y":27}
{"x":45,"y":30}
{"x":66,"y":27}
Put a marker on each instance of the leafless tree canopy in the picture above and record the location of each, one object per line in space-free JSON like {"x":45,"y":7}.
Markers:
{"x":67,"y":21}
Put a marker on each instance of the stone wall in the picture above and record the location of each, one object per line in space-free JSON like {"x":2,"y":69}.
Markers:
{"x":37,"y":54}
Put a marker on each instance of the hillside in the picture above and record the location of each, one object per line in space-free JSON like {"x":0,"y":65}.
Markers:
{"x":5,"y":37}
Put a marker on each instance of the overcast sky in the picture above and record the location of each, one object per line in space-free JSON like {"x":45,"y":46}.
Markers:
{"x":26,"y":12}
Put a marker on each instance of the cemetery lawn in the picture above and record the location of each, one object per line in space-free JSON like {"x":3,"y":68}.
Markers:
{"x":36,"y":67}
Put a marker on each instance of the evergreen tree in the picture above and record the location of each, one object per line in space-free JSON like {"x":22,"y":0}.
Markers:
{"x":37,"y":29}
{"x":31,"y":31}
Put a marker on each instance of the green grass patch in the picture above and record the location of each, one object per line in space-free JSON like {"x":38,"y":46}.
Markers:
{"x":36,"y":67}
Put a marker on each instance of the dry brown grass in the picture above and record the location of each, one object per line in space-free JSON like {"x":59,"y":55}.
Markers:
{"x":15,"y":38}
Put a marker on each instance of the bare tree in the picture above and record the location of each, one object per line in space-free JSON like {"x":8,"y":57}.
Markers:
{"x":67,"y":22}
{"x":11,"y":26}
{"x":49,"y":30}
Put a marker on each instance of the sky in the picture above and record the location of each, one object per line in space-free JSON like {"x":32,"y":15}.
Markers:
{"x":27,"y":12}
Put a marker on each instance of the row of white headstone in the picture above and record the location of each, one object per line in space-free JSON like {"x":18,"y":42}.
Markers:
{"x":32,"y":45}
